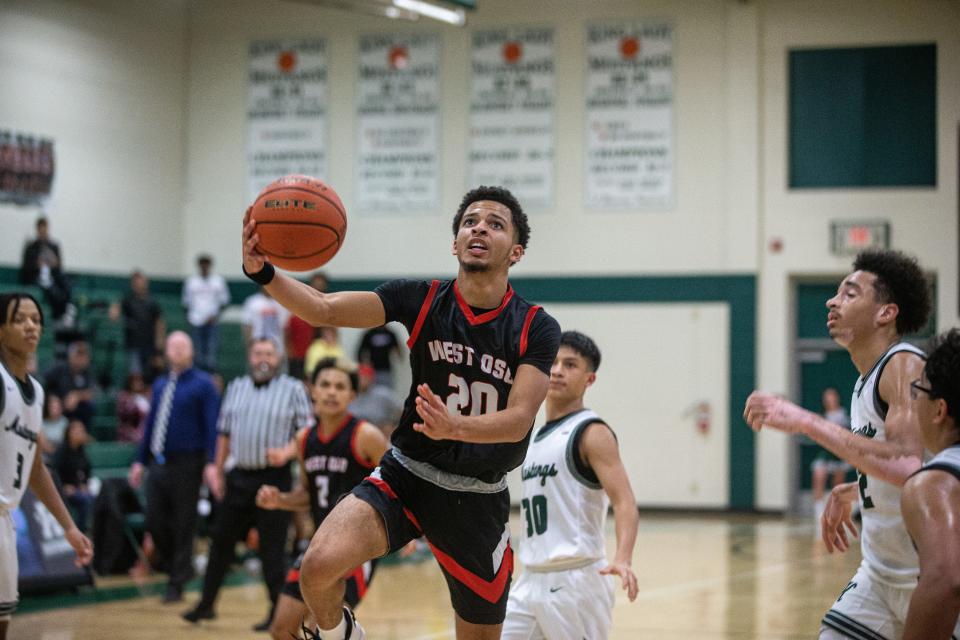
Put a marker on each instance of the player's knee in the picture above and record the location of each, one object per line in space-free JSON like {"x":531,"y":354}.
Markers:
{"x":319,"y":568}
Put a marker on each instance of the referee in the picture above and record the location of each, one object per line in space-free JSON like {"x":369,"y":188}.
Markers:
{"x":260,"y":415}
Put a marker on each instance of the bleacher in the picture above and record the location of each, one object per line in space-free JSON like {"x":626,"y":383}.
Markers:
{"x":92,"y":295}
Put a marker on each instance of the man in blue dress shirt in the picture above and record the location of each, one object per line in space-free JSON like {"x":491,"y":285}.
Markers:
{"x":178,"y":452}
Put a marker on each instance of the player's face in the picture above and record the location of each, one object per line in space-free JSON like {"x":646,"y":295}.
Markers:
{"x":486,"y":239}
{"x":854,"y":311}
{"x":931,"y":413}
{"x":570,"y":375}
{"x":21,"y":332}
{"x":332,"y":392}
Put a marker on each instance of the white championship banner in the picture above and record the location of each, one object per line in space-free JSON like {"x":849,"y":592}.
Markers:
{"x":398,"y":121}
{"x":286,"y":111}
{"x":511,"y":113}
{"x":629,"y":111}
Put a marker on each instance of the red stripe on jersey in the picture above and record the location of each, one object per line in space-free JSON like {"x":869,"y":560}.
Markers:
{"x":492,"y":590}
{"x":526,"y":328}
{"x":353,"y":447}
{"x":424,"y":309}
{"x":483,"y":317}
{"x":387,"y":489}
{"x":293,"y":575}
{"x":303,"y":443}
{"x":336,"y":432}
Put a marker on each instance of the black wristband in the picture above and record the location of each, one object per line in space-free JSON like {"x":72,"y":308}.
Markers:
{"x":262,"y":277}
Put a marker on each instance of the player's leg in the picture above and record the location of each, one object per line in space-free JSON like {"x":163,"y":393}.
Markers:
{"x":521,"y":621}
{"x":8,"y":571}
{"x":351,"y":534}
{"x":861,"y":611}
{"x":470,"y":631}
{"x":290,"y":614}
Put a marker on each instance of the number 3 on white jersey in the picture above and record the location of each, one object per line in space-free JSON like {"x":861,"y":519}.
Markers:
{"x":474,"y":399}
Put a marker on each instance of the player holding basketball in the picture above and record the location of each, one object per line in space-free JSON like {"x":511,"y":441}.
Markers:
{"x":21,"y":406}
{"x":571,"y":474}
{"x":884,"y":298}
{"x":481,"y":356}
{"x":334,"y":457}
{"x":931,"y":497}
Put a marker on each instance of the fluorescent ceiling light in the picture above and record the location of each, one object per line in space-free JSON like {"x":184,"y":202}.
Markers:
{"x":451,"y":16}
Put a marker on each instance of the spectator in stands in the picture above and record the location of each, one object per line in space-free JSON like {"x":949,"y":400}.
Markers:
{"x":205,"y":294}
{"x":298,"y":333}
{"x":41,"y":266}
{"x":377,"y":345}
{"x":143,"y":325}
{"x":376,"y":403}
{"x":72,"y":383}
{"x":325,"y":345}
{"x":178,"y":445}
{"x":73,"y":467}
{"x":133,"y":406}
{"x":263,"y":318}
{"x":54,"y":425}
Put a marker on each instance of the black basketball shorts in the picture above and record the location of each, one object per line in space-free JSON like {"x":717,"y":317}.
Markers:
{"x":466,"y":530}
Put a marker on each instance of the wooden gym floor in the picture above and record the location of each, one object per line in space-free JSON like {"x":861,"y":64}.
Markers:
{"x":705,"y":577}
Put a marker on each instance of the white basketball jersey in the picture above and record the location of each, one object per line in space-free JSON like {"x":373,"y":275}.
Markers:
{"x":21,"y":418}
{"x":563,"y":511}
{"x":947,"y":460}
{"x":885,"y":543}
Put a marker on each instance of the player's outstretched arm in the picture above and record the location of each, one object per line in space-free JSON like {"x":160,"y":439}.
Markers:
{"x":46,"y":491}
{"x":509,"y":425}
{"x":891,"y":460}
{"x":598,"y":448}
{"x":928,"y":504}
{"x":360,"y":309}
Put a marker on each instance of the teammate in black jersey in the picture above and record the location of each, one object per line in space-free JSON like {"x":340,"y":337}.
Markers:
{"x":481,"y":358}
{"x":335,"y":456}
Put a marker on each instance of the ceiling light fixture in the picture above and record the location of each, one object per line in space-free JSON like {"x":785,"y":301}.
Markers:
{"x":456,"y":17}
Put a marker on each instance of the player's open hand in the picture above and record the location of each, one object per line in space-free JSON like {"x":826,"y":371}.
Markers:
{"x":268,"y":497}
{"x":253,"y":259}
{"x":627,"y":577}
{"x":81,"y":545}
{"x":770,"y":410}
{"x":438,"y":423}
{"x":836,"y":519}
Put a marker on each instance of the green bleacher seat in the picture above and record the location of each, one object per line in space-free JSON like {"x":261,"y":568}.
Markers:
{"x":103,"y":455}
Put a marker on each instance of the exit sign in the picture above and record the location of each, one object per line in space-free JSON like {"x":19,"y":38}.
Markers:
{"x":851,"y":237}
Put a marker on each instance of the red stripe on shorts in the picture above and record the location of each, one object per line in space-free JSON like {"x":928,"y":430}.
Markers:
{"x":492,"y":590}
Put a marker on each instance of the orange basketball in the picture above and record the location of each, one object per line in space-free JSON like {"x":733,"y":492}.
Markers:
{"x":301,"y":222}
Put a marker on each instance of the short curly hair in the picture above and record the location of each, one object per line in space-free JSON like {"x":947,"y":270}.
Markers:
{"x":900,"y":280}
{"x":943,"y":370}
{"x":504,"y":197}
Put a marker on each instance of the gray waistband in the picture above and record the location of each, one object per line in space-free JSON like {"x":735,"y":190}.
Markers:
{"x":563,"y":565}
{"x":445,"y":479}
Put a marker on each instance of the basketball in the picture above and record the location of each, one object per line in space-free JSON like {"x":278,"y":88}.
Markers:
{"x":301,"y":222}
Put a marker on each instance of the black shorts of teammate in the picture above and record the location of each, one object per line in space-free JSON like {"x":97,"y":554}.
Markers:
{"x":467,"y":532}
{"x":358,"y":581}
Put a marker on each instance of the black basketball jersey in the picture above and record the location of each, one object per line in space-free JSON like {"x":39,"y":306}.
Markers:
{"x":469,"y":358}
{"x":332,"y":466}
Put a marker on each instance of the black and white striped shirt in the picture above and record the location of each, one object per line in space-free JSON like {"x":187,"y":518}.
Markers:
{"x":261,"y":418}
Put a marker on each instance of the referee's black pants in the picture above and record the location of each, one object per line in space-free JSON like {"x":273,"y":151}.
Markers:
{"x":238,"y":513}
{"x":172,"y":491}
